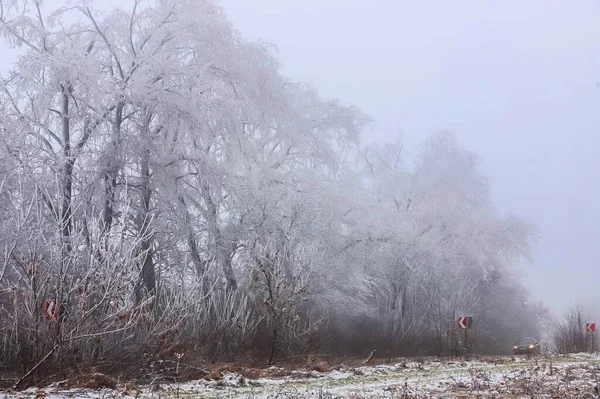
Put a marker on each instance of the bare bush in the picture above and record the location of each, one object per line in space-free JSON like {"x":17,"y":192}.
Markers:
{"x":568,"y":334}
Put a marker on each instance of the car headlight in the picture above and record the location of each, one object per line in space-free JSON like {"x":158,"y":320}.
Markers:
{"x":531,"y":346}
{"x":515,"y":347}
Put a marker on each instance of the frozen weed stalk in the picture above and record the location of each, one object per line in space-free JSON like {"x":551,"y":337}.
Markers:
{"x":178,"y":356}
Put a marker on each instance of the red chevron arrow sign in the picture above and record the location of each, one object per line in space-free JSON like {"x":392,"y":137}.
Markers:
{"x":590,"y":327}
{"x":465,"y":322}
{"x":50,"y":311}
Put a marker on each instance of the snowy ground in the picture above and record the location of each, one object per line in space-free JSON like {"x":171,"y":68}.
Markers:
{"x":573,"y":376}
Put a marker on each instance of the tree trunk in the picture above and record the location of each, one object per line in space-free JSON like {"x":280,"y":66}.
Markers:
{"x":392,"y":321}
{"x":67,"y":180}
{"x":273,"y":346}
{"x":110,"y":175}
{"x":223,"y":251}
{"x":148,"y":272}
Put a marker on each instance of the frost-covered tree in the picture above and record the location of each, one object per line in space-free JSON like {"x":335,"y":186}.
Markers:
{"x":433,"y":248}
{"x":170,"y":190}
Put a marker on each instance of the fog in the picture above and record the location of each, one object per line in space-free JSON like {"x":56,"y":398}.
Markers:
{"x":275,"y":179}
{"x":516,"y":81}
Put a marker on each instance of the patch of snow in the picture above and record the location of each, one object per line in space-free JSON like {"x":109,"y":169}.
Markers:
{"x":498,"y":377}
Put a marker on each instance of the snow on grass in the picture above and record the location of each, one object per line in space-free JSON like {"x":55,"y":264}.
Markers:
{"x":568,"y":376}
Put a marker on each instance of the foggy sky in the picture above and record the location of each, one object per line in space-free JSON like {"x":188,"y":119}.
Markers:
{"x":516,"y":81}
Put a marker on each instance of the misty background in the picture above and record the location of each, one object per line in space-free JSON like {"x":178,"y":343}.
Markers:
{"x":517,"y":82}
{"x":169,"y":189}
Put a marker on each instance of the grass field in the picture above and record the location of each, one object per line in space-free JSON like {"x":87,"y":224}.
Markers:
{"x":568,"y":376}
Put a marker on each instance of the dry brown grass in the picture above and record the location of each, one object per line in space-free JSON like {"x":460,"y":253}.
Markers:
{"x":321,"y":367}
{"x":217,"y":371}
{"x":92,"y":381}
{"x":285,"y":368}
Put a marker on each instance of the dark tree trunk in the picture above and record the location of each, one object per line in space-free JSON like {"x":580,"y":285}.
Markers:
{"x":273,"y":346}
{"x":392,"y":321}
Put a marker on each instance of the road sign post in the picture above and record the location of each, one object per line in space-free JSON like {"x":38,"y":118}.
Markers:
{"x":590,"y":329}
{"x":465,"y":323}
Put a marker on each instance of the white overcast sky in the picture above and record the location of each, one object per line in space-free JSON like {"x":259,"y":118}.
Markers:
{"x":516,"y":81}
